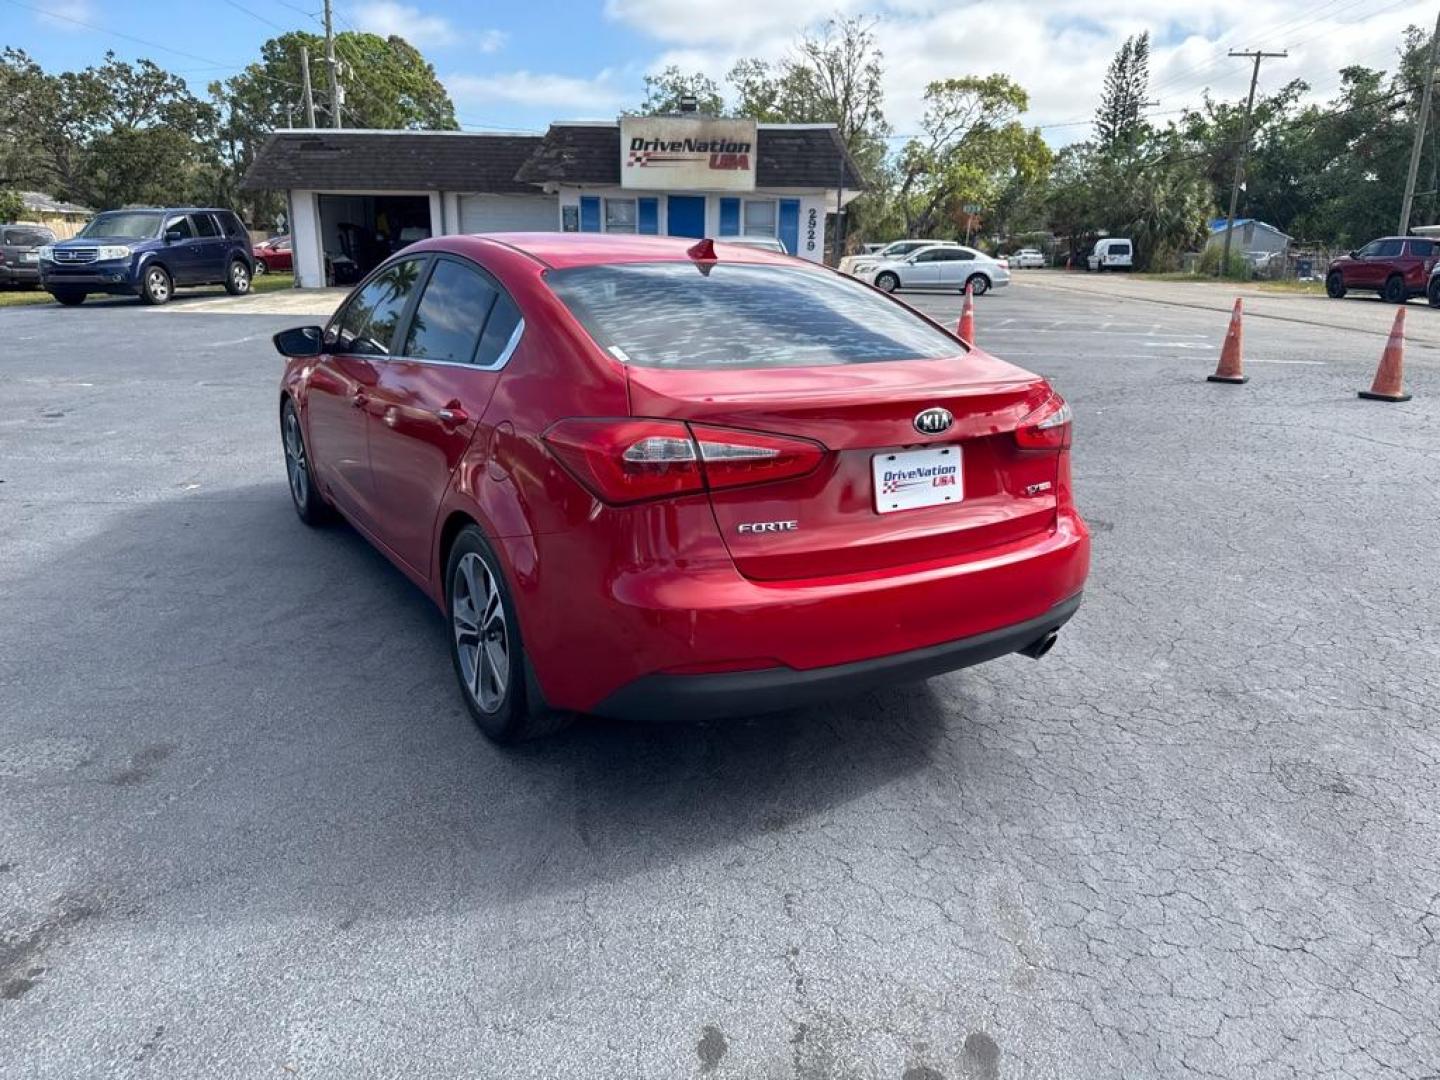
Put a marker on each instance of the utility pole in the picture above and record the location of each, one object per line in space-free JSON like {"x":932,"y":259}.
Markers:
{"x":1420,"y":120}
{"x":1244,"y":150}
{"x":330,"y":66}
{"x":305,"y":80}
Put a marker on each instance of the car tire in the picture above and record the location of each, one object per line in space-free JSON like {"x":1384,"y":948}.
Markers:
{"x":69,"y":297}
{"x":261,"y":268}
{"x":1335,"y":286}
{"x":978,"y":284}
{"x":156,"y":286}
{"x":237,"y":278}
{"x":1433,"y":293}
{"x":486,"y":649}
{"x":309,"y":504}
{"x":1394,"y":291}
{"x":887,"y":282}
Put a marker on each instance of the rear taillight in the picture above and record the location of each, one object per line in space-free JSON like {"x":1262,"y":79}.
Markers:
{"x":629,"y":461}
{"x":1047,"y":428}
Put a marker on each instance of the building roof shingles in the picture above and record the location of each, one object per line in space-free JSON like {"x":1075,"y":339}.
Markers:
{"x":789,"y":157}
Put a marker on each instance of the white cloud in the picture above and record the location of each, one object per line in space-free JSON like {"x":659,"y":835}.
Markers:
{"x":1058,"y":50}
{"x":573,"y":97}
{"x":387,"y":17}
{"x":66,"y":14}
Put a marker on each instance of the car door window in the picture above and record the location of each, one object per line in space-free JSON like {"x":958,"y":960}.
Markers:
{"x":450,"y":315}
{"x":502,"y":333}
{"x":180,"y":223}
{"x":205,"y":227}
{"x":367,"y":325}
{"x":929,"y":256}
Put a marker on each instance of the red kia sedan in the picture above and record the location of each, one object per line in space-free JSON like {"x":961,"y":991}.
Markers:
{"x":273,"y":254}
{"x":650,"y":477}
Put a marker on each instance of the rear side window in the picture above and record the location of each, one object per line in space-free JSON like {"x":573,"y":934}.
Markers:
{"x":367,"y":327}
{"x":452,"y":309}
{"x":205,"y":225}
{"x":1422,"y":249}
{"x":1119,"y":249}
{"x":739,"y":315}
{"x":499,"y":333}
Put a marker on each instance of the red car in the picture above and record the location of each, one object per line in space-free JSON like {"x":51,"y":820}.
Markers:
{"x":1397,"y":267}
{"x":272,"y":254}
{"x":653,"y":477}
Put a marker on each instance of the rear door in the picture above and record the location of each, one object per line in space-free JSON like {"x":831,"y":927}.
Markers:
{"x":1419,"y":259}
{"x":210,"y":248}
{"x":430,"y":400}
{"x":921,"y":464}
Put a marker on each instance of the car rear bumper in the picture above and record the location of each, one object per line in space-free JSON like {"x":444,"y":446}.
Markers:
{"x":660,"y":638}
{"x":739,"y":693}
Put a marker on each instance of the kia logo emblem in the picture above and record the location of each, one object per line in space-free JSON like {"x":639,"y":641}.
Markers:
{"x":933,"y":421}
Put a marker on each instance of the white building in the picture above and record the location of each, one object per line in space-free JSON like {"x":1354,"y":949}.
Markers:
{"x":354,"y":197}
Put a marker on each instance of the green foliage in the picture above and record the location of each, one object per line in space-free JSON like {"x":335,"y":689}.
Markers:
{"x":11,"y":206}
{"x":1118,"y":121}
{"x":664,"y":92}
{"x":1238,"y":266}
{"x":971,"y":147}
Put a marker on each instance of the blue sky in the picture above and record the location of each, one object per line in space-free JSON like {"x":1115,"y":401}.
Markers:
{"x":521,"y":65}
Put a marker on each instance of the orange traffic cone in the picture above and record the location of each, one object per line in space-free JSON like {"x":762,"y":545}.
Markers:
{"x":1229,"y":368}
{"x":1389,"y":382}
{"x":966,"y":330}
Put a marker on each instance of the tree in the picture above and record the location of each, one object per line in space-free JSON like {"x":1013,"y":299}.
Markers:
{"x":1127,"y":84}
{"x":665,"y":91}
{"x":105,"y":136}
{"x":12,"y":207}
{"x":971,"y":146}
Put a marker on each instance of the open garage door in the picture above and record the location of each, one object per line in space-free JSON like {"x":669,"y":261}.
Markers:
{"x":509,"y":213}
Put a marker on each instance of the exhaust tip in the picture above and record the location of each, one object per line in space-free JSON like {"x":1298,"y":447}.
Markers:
{"x":1041,"y":645}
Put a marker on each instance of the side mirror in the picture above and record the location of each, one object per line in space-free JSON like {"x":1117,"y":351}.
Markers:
{"x":171,"y":235}
{"x":299,"y":341}
{"x":1353,"y":254}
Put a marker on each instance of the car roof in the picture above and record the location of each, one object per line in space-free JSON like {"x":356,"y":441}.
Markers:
{"x":168,"y":210}
{"x":560,"y":250}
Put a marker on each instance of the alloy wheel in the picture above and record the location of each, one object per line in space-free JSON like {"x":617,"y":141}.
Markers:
{"x":158,"y":286}
{"x":482,"y":638}
{"x":239,"y":277}
{"x":296,"y":467}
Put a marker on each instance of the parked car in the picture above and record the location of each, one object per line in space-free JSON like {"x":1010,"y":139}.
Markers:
{"x":1027,"y":259}
{"x":1432,"y":291}
{"x":852,"y":264}
{"x":1396,"y":267}
{"x":939,"y":266}
{"x":20,"y":254}
{"x":765,"y":243}
{"x":149,"y":253}
{"x":272,"y":254}
{"x":638,"y":490}
{"x":1112,"y":253}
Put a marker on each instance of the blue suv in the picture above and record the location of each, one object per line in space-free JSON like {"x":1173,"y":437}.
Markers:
{"x":149,"y":253}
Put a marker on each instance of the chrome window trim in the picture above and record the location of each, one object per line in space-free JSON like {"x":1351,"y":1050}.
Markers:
{"x":500,"y":361}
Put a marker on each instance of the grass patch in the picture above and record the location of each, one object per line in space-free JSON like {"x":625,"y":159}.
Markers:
{"x":265,"y":283}
{"x":1314,"y":288}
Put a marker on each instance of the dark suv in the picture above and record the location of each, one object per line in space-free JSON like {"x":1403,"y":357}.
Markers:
{"x":1397,"y":267}
{"x":20,"y":253}
{"x":148,"y":253}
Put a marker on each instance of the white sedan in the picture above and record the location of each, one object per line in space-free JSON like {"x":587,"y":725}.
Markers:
{"x":854,"y":264}
{"x":948,"y":266}
{"x":1027,"y":259}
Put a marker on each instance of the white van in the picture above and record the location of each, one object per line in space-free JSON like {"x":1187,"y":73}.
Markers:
{"x":1112,"y":254}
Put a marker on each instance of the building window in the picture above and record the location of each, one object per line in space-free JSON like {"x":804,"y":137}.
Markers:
{"x":620,"y":215}
{"x":759,"y":218}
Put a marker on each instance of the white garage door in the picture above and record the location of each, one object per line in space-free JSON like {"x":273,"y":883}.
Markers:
{"x":509,"y":213}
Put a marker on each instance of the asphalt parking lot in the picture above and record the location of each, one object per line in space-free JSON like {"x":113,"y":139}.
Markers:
{"x":247,"y":829}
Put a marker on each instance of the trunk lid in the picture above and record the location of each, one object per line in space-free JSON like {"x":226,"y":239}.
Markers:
{"x":861,"y":412}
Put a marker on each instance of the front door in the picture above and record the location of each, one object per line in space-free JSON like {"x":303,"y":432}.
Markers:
{"x":685,"y":216}
{"x":432,"y":398}
{"x":182,"y":254}
{"x":344,"y":385}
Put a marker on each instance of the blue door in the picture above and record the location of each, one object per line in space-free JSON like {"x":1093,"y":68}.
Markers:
{"x":685,"y":216}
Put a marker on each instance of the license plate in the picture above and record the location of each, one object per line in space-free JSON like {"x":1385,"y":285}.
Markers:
{"x":910,"y":479}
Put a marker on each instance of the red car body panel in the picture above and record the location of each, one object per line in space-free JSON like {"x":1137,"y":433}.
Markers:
{"x":611,"y":594}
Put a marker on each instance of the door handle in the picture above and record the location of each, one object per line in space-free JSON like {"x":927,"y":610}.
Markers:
{"x":359,"y":399}
{"x":452,"y":415}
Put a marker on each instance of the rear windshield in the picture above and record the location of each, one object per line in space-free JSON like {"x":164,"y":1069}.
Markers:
{"x":28,"y":237}
{"x":135,"y":225}
{"x":736,"y":315}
